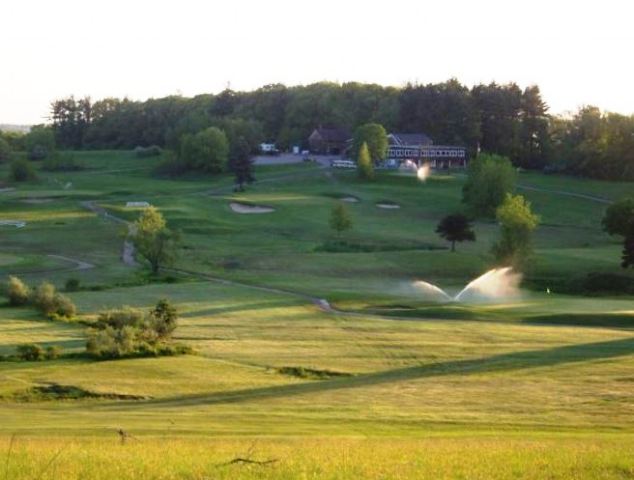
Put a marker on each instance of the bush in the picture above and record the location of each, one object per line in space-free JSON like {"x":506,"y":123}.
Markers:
{"x":21,"y":170}
{"x":112,"y":343}
{"x":151,"y":151}
{"x":53,"y":352}
{"x":30,"y":352}
{"x":163,"y":319}
{"x":120,"y":318}
{"x":72,"y":285}
{"x":5,"y":150}
{"x":50,"y":303}
{"x":57,"y":162}
{"x":18,"y":292}
{"x":172,"y":166}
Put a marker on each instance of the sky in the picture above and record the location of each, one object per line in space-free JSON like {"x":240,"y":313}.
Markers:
{"x":579,"y":52}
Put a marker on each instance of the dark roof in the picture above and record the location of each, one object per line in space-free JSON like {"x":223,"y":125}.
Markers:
{"x":409,"y":139}
{"x":333,"y":134}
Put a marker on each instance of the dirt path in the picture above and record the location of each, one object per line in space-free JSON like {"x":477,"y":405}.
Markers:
{"x":79,"y":264}
{"x":583,"y":196}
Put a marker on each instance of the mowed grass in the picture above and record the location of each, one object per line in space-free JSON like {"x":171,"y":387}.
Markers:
{"x":541,"y":387}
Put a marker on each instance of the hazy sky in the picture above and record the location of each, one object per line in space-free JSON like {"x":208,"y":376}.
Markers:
{"x":578,"y":52}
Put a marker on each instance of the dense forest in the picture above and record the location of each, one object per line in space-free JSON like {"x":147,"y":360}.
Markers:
{"x":500,"y":119}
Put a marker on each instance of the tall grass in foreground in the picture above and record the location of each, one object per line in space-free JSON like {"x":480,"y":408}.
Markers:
{"x":328,"y":458}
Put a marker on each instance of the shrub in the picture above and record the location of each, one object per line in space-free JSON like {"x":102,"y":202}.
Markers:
{"x":120,"y":318}
{"x":151,"y":151}
{"x":50,"y":303}
{"x":30,"y":352}
{"x":17,"y":291}
{"x":112,"y":343}
{"x":72,"y":285}
{"x":53,"y":352}
{"x":5,"y":150}
{"x":21,"y":170}
{"x":163,"y":319}
{"x":57,"y":162}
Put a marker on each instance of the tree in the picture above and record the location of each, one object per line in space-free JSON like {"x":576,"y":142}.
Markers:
{"x":340,"y":220}
{"x":490,"y":179}
{"x":619,"y":220}
{"x":241,"y":163}
{"x":5,"y":150}
{"x":365,"y":167}
{"x":207,"y":150}
{"x":455,"y":228}
{"x":39,"y":142}
{"x":163,"y":319}
{"x":21,"y":170}
{"x":517,"y":223}
{"x":374,"y":137}
{"x":153,"y":240}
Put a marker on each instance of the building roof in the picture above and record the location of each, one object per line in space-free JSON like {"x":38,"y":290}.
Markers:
{"x":333,"y":134}
{"x":403,"y":139}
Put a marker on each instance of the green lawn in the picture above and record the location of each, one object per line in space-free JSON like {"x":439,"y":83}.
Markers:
{"x":538,"y":387}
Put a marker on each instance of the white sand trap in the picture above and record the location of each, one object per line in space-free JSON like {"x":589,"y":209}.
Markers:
{"x":12,"y":223}
{"x":389,"y":206}
{"x":350,"y":199}
{"x":137,"y":204}
{"x":244,"y":208}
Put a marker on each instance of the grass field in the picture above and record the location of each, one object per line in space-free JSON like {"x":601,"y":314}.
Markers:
{"x":541,"y":387}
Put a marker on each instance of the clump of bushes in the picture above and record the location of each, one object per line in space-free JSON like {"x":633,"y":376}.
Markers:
{"x":21,"y":170}
{"x":58,"y":162}
{"x":151,"y":151}
{"x":18,"y":292}
{"x":45,"y":298}
{"x":130,"y":332}
{"x":72,"y":285}
{"x":31,"y":352}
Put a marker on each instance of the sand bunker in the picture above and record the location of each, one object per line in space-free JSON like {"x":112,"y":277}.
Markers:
{"x":12,"y":223}
{"x":137,"y":204}
{"x":5,"y":190}
{"x":245,"y":208}
{"x":349,"y":199}
{"x":390,"y":206}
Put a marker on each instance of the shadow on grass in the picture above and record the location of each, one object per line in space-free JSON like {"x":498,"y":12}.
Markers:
{"x":609,"y":320}
{"x":497,"y":363}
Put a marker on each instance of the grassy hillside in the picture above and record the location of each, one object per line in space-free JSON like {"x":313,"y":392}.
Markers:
{"x":391,"y":386}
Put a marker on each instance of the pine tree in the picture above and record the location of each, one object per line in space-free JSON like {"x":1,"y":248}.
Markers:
{"x":365,"y":167}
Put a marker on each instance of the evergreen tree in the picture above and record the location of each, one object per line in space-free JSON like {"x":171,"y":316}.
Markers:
{"x":241,"y":163}
{"x":619,"y":220}
{"x":365,"y":166}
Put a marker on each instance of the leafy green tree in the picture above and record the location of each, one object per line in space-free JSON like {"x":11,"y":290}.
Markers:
{"x":40,"y":142}
{"x":517,"y":223}
{"x":365,"y":166}
{"x":455,"y":228}
{"x":490,"y":179}
{"x":340,"y":220}
{"x":207,"y":150}
{"x":619,"y":220}
{"x":374,"y":137}
{"x":5,"y":150}
{"x":153,"y":240}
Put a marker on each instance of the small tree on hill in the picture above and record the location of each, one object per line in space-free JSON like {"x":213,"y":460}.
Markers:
{"x":153,"y":240}
{"x":619,"y":220}
{"x":365,"y":166}
{"x":455,"y":228}
{"x":517,"y":223}
{"x":340,"y":220}
{"x":207,"y":150}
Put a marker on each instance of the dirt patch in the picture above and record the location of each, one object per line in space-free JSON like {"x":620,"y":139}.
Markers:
{"x":388,"y":205}
{"x":55,"y":391}
{"x":311,"y":373}
{"x":246,"y":208}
